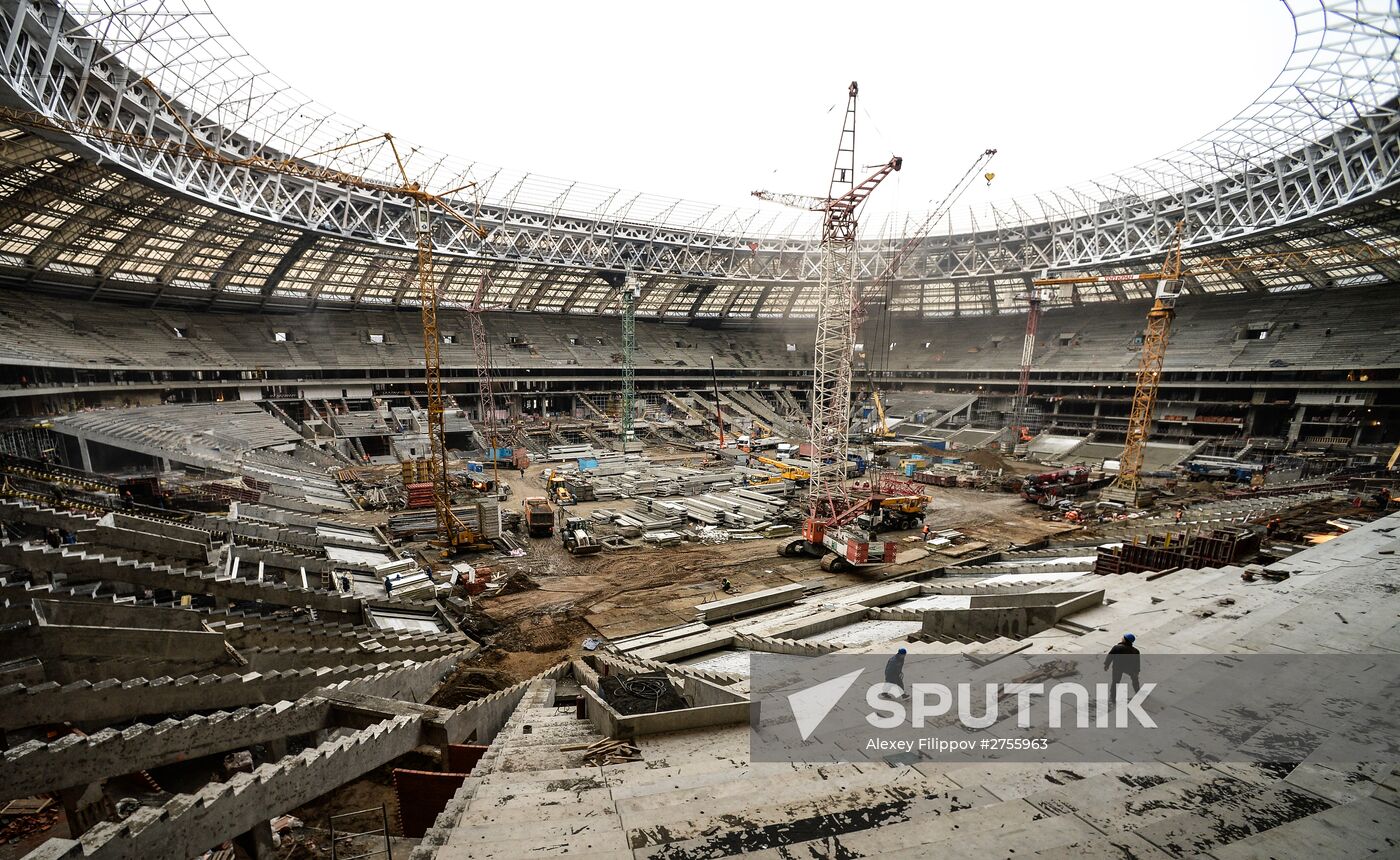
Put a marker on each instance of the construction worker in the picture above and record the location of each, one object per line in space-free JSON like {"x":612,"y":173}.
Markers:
{"x":1124,"y":659}
{"x":894,"y":671}
{"x":925,"y":532}
{"x":726,"y":586}
{"x":128,"y":501}
{"x":1272,"y":526}
{"x":388,"y":586}
{"x":345,"y":583}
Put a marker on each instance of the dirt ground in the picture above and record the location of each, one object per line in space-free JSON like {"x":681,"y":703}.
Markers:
{"x":621,"y":593}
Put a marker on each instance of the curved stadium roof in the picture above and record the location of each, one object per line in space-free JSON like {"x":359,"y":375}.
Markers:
{"x":1312,"y":162}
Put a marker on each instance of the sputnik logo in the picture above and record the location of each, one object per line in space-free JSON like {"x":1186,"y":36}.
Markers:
{"x":810,"y":706}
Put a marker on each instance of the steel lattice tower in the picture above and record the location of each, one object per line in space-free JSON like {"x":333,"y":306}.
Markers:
{"x":630,"y":293}
{"x":1127,"y":487}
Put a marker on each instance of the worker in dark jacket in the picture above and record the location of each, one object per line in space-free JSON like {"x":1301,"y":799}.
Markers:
{"x":894,"y":672}
{"x":1124,"y":659}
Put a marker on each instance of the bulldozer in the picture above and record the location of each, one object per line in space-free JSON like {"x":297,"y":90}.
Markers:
{"x":577,"y":540}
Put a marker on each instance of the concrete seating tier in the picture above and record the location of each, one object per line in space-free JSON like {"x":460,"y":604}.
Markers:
{"x":1306,"y":329}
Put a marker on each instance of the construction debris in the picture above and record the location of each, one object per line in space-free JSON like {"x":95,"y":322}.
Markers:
{"x":606,"y":751}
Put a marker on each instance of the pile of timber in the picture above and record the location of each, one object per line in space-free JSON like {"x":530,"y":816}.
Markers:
{"x":606,"y":751}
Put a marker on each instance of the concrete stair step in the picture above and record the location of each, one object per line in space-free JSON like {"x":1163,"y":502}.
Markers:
{"x":975,"y":831}
{"x":541,"y":839}
{"x":1120,"y":846}
{"x":1357,"y":829}
{"x":798,"y":784}
{"x":555,"y":807}
{"x":688,"y":816}
{"x":821,"y":830}
{"x":1228,"y":819}
{"x":495,"y":785}
{"x":1010,"y":783}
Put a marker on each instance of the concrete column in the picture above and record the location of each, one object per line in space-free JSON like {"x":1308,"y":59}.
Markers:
{"x":258,"y":842}
{"x":276,"y":749}
{"x":1295,"y":427}
{"x":85,"y":454}
{"x":84,"y":806}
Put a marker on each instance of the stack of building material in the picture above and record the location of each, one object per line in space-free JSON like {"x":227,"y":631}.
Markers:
{"x":391,"y":568}
{"x":414,"y":586}
{"x":651,"y":515}
{"x":419,"y":495}
{"x":742,"y":508}
{"x":408,"y":526}
{"x":560,"y":453}
{"x":1215,"y":548}
{"x":663,"y":538}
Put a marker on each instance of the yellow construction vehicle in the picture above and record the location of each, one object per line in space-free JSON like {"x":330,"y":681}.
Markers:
{"x":785,"y":472}
{"x":881,"y":430}
{"x":893,"y":513}
{"x":557,"y":488}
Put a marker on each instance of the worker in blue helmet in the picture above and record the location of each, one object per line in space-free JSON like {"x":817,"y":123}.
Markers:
{"x":1123,"y":659}
{"x":894,"y":671}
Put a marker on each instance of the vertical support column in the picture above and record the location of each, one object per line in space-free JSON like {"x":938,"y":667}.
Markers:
{"x":84,"y":806}
{"x":631,"y":292}
{"x":1295,"y":426}
{"x":84,"y":454}
{"x":258,"y":842}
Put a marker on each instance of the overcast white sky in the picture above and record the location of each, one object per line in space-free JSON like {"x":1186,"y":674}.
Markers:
{"x":710,"y":101}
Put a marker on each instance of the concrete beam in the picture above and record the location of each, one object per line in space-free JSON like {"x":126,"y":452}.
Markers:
{"x":75,"y":760}
{"x":112,"y":701}
{"x":752,"y":602}
{"x":190,"y":824}
{"x":80,"y":566}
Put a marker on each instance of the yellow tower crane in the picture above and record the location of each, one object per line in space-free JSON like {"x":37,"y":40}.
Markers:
{"x":1127,"y":487}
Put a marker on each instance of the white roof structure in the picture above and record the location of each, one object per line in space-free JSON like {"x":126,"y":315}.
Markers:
{"x":1312,"y":162}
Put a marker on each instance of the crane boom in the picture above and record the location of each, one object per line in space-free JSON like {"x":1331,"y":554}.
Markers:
{"x":831,"y":377}
{"x":1127,"y":487}
{"x":884,"y":283}
{"x":796,"y":201}
{"x":913,"y":240}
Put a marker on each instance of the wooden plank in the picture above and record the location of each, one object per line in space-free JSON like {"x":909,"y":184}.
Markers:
{"x":26,"y":806}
